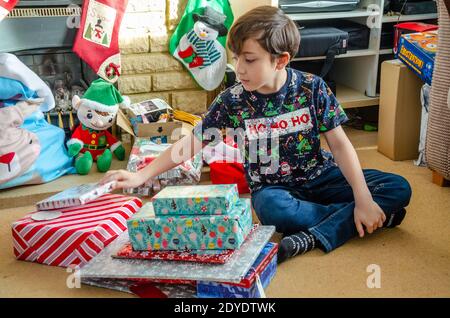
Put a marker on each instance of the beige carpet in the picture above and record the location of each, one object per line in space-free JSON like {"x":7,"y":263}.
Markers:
{"x":414,"y":259}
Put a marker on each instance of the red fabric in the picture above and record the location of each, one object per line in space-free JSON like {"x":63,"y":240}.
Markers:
{"x":229,"y":173}
{"x":97,"y":38}
{"x":417,"y":26}
{"x":7,"y":158}
{"x":186,"y":53}
{"x":147,"y":290}
{"x":6,"y":7}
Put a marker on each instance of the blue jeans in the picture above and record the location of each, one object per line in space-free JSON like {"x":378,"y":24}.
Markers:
{"x":324,"y":206}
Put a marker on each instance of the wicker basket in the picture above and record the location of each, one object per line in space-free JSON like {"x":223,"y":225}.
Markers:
{"x":438,"y":133}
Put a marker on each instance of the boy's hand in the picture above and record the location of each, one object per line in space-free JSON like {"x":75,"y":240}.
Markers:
{"x":370,"y":215}
{"x":124,"y":179}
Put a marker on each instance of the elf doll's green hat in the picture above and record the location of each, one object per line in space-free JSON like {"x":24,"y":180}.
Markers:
{"x":103,"y":96}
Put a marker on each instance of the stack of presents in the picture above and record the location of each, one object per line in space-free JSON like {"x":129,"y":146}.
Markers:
{"x":189,"y":241}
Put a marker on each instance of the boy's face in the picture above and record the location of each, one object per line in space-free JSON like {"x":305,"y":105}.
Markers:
{"x":255,"y":68}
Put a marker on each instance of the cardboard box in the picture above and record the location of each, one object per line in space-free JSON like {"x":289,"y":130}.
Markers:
{"x":148,"y":110}
{"x":400,"y":112}
{"x":417,"y":51}
{"x":169,"y":132}
{"x":212,"y":232}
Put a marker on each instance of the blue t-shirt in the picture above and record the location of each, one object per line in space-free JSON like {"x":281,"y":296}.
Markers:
{"x":278,"y":134}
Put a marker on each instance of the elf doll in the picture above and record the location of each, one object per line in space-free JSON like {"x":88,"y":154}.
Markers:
{"x":91,"y":141}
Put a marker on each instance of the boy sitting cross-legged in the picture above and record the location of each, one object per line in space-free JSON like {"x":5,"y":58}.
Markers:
{"x":276,"y":115}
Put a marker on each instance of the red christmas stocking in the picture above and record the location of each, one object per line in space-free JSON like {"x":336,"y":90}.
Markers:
{"x":97,"y":40}
{"x":5,"y":7}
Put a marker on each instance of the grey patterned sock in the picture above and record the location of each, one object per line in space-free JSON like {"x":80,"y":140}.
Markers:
{"x":395,"y":218}
{"x":295,"y":244}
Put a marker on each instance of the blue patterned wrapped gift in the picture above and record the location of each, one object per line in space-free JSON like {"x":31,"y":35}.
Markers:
{"x":264,"y":267}
{"x":149,"y":232}
{"x":194,"y":200}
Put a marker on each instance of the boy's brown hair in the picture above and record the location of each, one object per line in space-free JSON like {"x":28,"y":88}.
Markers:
{"x":270,"y":27}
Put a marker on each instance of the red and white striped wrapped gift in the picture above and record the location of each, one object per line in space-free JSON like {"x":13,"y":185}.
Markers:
{"x":78,"y":235}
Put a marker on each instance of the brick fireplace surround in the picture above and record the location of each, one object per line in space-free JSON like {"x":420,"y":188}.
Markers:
{"x":149,"y":71}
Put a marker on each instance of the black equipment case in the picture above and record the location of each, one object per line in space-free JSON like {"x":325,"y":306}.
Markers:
{"x":322,"y":40}
{"x":409,"y":7}
{"x":300,"y":6}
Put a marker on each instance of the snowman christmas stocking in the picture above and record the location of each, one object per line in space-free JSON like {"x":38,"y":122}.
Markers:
{"x":5,"y":7}
{"x":97,"y":38}
{"x":200,"y":38}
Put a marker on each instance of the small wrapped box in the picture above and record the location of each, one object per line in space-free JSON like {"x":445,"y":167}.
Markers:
{"x":196,"y":200}
{"x":78,"y":195}
{"x":197,"y":256}
{"x":146,"y":288}
{"x":144,"y":151}
{"x":148,"y":232}
{"x":252,"y":286}
{"x":72,"y":236}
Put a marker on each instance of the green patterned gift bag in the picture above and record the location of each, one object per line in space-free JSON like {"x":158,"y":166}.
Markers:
{"x":200,"y":38}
